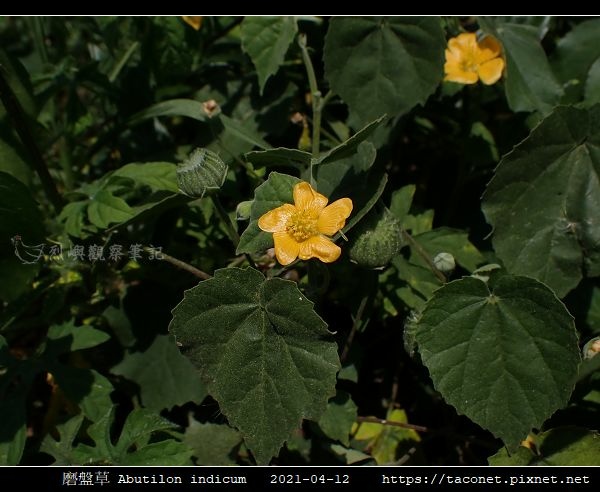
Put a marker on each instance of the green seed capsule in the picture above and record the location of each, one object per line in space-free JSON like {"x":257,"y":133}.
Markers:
{"x":202,"y":171}
{"x":376,"y":239}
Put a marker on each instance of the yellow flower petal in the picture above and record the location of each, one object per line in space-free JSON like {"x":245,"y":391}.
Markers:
{"x":491,"y":71}
{"x":462,"y":44}
{"x":319,"y":247}
{"x":333,"y":217}
{"x":193,"y":20}
{"x":286,"y":248}
{"x":306,"y":198}
{"x":276,"y":219}
{"x":468,"y":60}
{"x":456,"y":74}
{"x":488,"y":48}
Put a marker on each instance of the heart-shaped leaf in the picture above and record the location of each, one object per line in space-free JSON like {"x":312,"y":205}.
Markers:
{"x":384,"y":65}
{"x":506,"y":355}
{"x":265,"y":355}
{"x":544,"y":201}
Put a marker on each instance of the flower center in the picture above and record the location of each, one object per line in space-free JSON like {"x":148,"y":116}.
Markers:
{"x":468,"y":63}
{"x":302,"y":225}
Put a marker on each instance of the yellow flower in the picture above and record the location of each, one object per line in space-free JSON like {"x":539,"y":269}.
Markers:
{"x":469,"y":60}
{"x":300,"y":230}
{"x":193,"y":20}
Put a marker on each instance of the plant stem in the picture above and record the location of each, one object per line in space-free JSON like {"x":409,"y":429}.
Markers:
{"x":375,"y":420}
{"x":179,"y":263}
{"x":230,"y":226}
{"x":355,"y":325}
{"x":224,"y":216}
{"x":317,"y":107}
{"x":423,"y":254}
{"x":17,"y":115}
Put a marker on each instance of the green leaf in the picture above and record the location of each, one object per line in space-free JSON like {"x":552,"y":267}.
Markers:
{"x":163,"y":453}
{"x":544,"y":199}
{"x":240,"y":131}
{"x":366,"y":200}
{"x":453,"y":241}
{"x":18,"y":80}
{"x":563,"y":446}
{"x":265,"y":355}
{"x":274,"y":192}
{"x":386,"y":442}
{"x":351,"y":456}
{"x":11,"y":160}
{"x":67,"y":337}
{"x":132,"y":447}
{"x":174,"y":107}
{"x":349,"y":373}
{"x":592,"y":84}
{"x":529,"y":82}
{"x":105,"y":209}
{"x":73,"y":215}
{"x":179,"y":380}
{"x":348,"y":148}
{"x":213,"y":444}
{"x":344,"y":176}
{"x":20,"y":216}
{"x":158,"y":176}
{"x":384,"y":65}
{"x":279,"y":157}
{"x":420,"y":223}
{"x":577,"y":53}
{"x":474,"y":339}
{"x":541,"y":23}
{"x":203,"y":171}
{"x":96,"y":401}
{"x":266,"y":40}
{"x":412,"y":284}
{"x":336,"y":422}
{"x":85,"y":387}
{"x":592,"y":311}
{"x":402,"y":201}
{"x":62,"y":450}
{"x":11,"y":451}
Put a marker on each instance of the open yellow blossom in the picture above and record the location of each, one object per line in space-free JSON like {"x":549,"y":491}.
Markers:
{"x":193,"y":20}
{"x":469,"y":60}
{"x":301,"y":230}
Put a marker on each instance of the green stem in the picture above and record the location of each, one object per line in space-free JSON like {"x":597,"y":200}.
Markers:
{"x":17,"y":115}
{"x":355,"y":326}
{"x":375,"y":420}
{"x":230,"y":226}
{"x":37,"y":28}
{"x":317,"y":107}
{"x":66,"y":162}
{"x":423,"y":254}
{"x":224,"y":216}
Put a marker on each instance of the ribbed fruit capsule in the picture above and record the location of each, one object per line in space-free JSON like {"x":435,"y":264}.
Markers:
{"x":201,"y":172}
{"x":376,"y":240}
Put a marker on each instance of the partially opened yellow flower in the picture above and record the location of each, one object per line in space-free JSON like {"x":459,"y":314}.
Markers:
{"x":193,"y":20}
{"x":469,"y":60}
{"x":301,"y":230}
